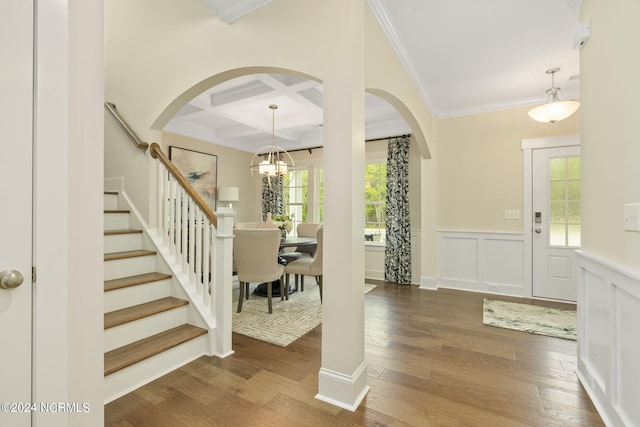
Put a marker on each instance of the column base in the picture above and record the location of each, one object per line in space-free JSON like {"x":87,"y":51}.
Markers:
{"x":346,"y":392}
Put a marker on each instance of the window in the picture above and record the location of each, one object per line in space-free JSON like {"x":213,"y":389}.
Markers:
{"x":303,"y":198}
{"x":375,"y":197}
{"x":321,"y":195}
{"x":564,"y":201}
{"x":296,"y":196}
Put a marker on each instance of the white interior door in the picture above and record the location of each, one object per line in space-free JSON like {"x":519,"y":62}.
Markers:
{"x":556,"y":221}
{"x":16,"y":110}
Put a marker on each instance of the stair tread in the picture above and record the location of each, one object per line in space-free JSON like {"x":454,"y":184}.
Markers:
{"x":140,"y":311}
{"x":113,"y":193}
{"x":124,"y":282}
{"x":118,"y":211}
{"x":135,"y":352}
{"x":127,"y":254}
{"x":122,"y":231}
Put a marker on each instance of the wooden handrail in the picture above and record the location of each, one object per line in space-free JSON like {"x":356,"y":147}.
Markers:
{"x":111,"y":108}
{"x":157,"y":153}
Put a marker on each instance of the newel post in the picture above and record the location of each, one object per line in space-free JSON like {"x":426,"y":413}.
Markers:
{"x":223,"y":273}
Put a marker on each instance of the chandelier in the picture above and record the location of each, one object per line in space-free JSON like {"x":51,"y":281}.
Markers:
{"x":553,"y":110}
{"x":275,"y":162}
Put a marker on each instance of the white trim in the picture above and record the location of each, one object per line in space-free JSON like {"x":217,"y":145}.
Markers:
{"x":230,"y":10}
{"x":527,"y":146}
{"x":550,"y":142}
{"x":114,"y":184}
{"x":478,"y":261}
{"x":374,"y":260}
{"x":145,"y":371}
{"x":384,"y":20}
{"x":382,"y":16}
{"x":429,"y":283}
{"x":498,"y":106}
{"x":608,"y":315}
{"x":342,"y":390}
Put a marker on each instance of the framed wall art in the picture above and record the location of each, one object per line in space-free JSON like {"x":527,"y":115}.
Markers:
{"x":199,"y":169}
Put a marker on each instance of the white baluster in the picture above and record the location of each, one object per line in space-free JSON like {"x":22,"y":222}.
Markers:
{"x":179,"y":236}
{"x":185,"y":231}
{"x":198,"y":253}
{"x":192,"y":241}
{"x":205,"y":258}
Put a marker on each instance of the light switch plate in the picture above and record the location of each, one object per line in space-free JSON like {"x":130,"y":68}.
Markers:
{"x":512,"y":214}
{"x":632,"y":217}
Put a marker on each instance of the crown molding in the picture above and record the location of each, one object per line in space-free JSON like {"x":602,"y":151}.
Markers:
{"x":382,"y":16}
{"x":497,"y":106}
{"x":230,"y":10}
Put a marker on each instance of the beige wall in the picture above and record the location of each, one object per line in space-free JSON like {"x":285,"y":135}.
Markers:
{"x":479,"y":167}
{"x":156,"y":62}
{"x":233,"y":171}
{"x":161,"y":54}
{"x":123,"y":161}
{"x":609,"y":87}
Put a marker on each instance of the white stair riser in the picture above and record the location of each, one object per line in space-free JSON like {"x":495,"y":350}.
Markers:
{"x":127,"y":333}
{"x":122,"y":242}
{"x":110,"y":202}
{"x":116,"y":221}
{"x":118,"y":268}
{"x":128,"y":379}
{"x":134,"y":295}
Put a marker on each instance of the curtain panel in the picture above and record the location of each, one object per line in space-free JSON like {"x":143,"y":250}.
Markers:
{"x":272,"y":196}
{"x":397,"y":255}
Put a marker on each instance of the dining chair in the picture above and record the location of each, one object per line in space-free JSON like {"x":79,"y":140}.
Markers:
{"x":304,"y":229}
{"x":310,"y":266}
{"x":248,"y":225}
{"x":245,"y":225}
{"x":256,"y":257}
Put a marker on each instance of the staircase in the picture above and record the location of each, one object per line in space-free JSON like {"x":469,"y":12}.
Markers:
{"x":149,"y":327}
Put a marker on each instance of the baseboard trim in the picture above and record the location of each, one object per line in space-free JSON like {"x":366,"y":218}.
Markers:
{"x":428,"y":282}
{"x":343,"y":391}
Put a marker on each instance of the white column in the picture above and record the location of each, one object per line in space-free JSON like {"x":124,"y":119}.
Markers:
{"x":222,"y":347}
{"x":342,"y":379}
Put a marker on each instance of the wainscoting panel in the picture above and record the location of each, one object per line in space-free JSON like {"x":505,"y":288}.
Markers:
{"x":463,"y":267}
{"x":374,"y":261}
{"x":481,"y":262}
{"x":608,"y":343}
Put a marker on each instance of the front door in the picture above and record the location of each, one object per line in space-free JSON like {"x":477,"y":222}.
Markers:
{"x":556,"y":221}
{"x":16,"y":110}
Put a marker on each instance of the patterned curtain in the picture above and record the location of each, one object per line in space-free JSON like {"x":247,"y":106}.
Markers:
{"x":272,"y":196}
{"x":397,"y":254}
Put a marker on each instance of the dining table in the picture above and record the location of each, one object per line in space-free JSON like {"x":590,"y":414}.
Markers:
{"x":287,"y":242}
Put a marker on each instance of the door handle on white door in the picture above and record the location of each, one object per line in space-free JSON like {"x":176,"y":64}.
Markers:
{"x":10,"y":279}
{"x":538,"y":230}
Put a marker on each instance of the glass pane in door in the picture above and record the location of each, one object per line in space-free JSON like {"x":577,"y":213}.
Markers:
{"x":564,"y":202}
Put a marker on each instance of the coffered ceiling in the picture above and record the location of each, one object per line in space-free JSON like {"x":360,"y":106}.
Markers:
{"x":464,"y":56}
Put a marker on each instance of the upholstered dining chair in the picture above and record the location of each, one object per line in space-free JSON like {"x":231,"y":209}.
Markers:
{"x":256,"y":257}
{"x":304,"y":229}
{"x":245,"y":225}
{"x":248,"y":225}
{"x":310,"y":266}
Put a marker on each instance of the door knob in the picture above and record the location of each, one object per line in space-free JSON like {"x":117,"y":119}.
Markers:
{"x":10,"y":279}
{"x":538,"y":230}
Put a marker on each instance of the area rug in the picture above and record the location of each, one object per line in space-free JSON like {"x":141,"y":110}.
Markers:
{"x":553,"y":322}
{"x":290,"y":319}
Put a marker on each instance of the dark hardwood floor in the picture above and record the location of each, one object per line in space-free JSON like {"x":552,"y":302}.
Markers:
{"x":431,"y":362}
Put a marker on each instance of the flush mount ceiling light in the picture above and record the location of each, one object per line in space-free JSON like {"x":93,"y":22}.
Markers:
{"x":553,"y":110}
{"x":276,"y":161}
